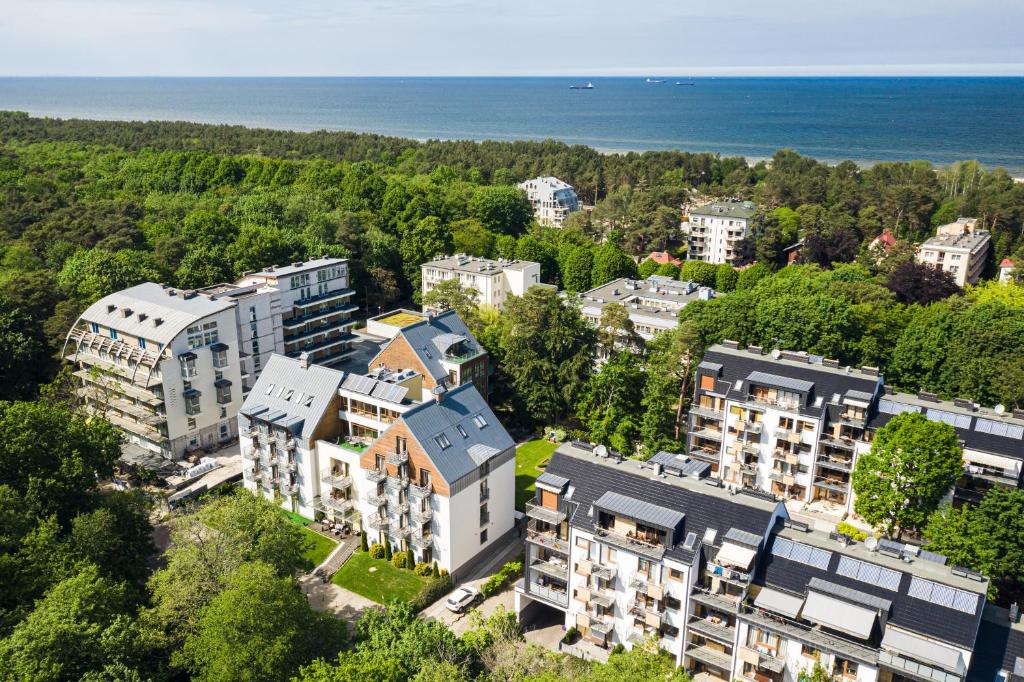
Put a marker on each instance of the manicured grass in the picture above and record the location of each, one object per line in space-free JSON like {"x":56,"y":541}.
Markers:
{"x":320,"y":546}
{"x":530,"y":458}
{"x":402,"y":320}
{"x":385,"y":584}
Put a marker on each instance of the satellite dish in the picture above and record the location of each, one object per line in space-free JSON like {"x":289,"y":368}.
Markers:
{"x":601,"y":451}
{"x":871,"y":542}
{"x":1000,"y":409}
{"x":776,"y":353}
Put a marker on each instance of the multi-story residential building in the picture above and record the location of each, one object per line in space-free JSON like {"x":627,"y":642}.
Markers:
{"x":730,"y":585}
{"x":553,"y":200}
{"x":492,"y":280}
{"x":999,"y":655}
{"x":439,"y":347}
{"x":714,"y":230}
{"x":293,"y":405}
{"x":959,"y":248}
{"x":793,"y":425}
{"x":313,"y":299}
{"x":653,"y":303}
{"x":162,"y":365}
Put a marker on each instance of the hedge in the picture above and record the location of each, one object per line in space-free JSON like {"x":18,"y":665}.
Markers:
{"x":431,"y":592}
{"x":497,"y":582}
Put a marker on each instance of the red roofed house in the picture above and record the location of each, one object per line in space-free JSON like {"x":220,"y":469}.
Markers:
{"x":1006,"y":270}
{"x":886,"y":240}
{"x":663,"y":257}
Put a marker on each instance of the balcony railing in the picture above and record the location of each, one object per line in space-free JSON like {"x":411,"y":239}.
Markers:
{"x":375,"y":498}
{"x":401,"y":507}
{"x":726,"y":573}
{"x":716,"y":630}
{"x":837,"y":485}
{"x":377,"y":522}
{"x":289,"y":489}
{"x":720,"y":602}
{"x":401,"y":531}
{"x":291,"y":466}
{"x":647,"y":610}
{"x":707,"y":434}
{"x":558,"y":597}
{"x":761,"y":660}
{"x":630,"y":544}
{"x":251,"y":455}
{"x":285,"y":443}
{"x":603,"y":572}
{"x":710,"y":656}
{"x":835,"y":463}
{"x":841,"y":443}
{"x":419,"y":490}
{"x":552,"y":569}
{"x":706,"y":412}
{"x":338,"y":481}
{"x":547,"y":539}
{"x":375,"y":475}
{"x":421,"y":514}
{"x":421,"y":541}
{"x":337,"y":504}
{"x":809,"y":634}
{"x":704,"y":455}
{"x":398,"y":458}
{"x":552,"y":516}
{"x":398,"y":480}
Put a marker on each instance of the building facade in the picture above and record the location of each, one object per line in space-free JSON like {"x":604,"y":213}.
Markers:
{"x":552,"y":199}
{"x":493,"y":280}
{"x":630,"y":552}
{"x":793,"y":425}
{"x":714,"y":230}
{"x":162,"y":365}
{"x":959,"y":248}
{"x":653,"y":304}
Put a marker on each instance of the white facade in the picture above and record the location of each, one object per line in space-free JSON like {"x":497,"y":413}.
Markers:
{"x":493,"y":280}
{"x":553,"y":200}
{"x":959,"y":248}
{"x":715,"y":229}
{"x":162,"y":365}
{"x":653,"y":304}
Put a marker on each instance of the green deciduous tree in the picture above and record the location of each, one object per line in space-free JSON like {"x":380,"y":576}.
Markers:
{"x":575,"y":265}
{"x":608,"y":404}
{"x":611,"y":262}
{"x":501,"y":208}
{"x":912,"y":465}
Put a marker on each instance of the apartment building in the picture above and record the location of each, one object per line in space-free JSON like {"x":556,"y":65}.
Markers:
{"x":714,"y":230}
{"x":492,"y":280}
{"x":732,"y":587}
{"x":439,"y":347}
{"x":161,"y":365}
{"x":959,"y":248}
{"x":304,"y":307}
{"x":434,"y":477}
{"x":553,"y":200}
{"x":793,"y":425}
{"x":999,"y":654}
{"x":653,"y":303}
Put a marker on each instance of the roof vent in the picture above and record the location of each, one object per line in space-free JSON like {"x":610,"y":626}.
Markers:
{"x":126,"y":312}
{"x":756,"y":350}
{"x":1018,"y":413}
{"x":930,"y":397}
{"x":888,"y":389}
{"x":870,"y":371}
{"x":111,"y":308}
{"x":172,"y":292}
{"x":297,"y":264}
{"x":829,"y":362}
{"x":304,"y":360}
{"x":189,"y":294}
{"x":157,"y":321}
{"x":142,"y":317}
{"x":964,"y":404}
{"x":729,"y":343}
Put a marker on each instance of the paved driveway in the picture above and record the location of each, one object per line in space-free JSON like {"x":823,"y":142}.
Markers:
{"x":336,"y":600}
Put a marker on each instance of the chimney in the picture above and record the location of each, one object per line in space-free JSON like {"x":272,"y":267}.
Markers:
{"x":438,"y":392}
{"x":430,"y":317}
{"x":304,"y":360}
{"x":925,"y":395}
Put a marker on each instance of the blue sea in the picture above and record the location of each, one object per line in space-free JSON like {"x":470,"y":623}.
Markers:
{"x":863,"y":119}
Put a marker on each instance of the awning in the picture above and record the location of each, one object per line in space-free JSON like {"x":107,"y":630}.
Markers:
{"x":187,"y":355}
{"x":839,"y":615}
{"x":735,"y":555}
{"x":779,"y":602}
{"x":218,"y":346}
{"x":191,"y":393}
{"x":923,"y":650}
{"x":221,"y":383}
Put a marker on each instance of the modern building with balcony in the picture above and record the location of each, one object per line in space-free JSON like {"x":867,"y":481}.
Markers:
{"x":959,"y":248}
{"x":160,"y":364}
{"x":734,"y":589}
{"x":492,"y":280}
{"x":714,"y":230}
{"x":439,"y":347}
{"x":793,"y":425}
{"x":552,"y":199}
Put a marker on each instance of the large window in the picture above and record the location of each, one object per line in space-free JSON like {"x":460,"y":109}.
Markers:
{"x":220,"y":357}
{"x":223,"y":395}
{"x":200,"y":335}
{"x":192,"y":406}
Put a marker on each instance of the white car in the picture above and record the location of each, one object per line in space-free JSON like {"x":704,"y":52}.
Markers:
{"x":461,"y":598}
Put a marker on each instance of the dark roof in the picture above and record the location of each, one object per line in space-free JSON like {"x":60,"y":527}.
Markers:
{"x":591,"y":480}
{"x":908,"y":612}
{"x":997,"y":648}
{"x":426,"y":336}
{"x":828,"y":381}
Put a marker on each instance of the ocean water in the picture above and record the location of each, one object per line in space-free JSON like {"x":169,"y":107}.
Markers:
{"x":863,"y":119}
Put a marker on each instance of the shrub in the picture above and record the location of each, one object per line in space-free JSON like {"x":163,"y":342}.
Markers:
{"x":400,"y":560}
{"x":571,"y":635}
{"x":431,"y":592}
{"x":376,"y":551}
{"x":434,"y":572}
{"x":387,"y":550}
{"x":362,"y":540}
{"x":851,"y":531}
{"x":497,"y":582}
{"x":422,"y":568}
{"x":444,"y":572}
{"x":617,"y":649}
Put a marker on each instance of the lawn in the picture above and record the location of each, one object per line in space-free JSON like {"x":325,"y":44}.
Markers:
{"x":531,"y":457}
{"x":385,"y":584}
{"x":321,"y":545}
{"x":402,"y":320}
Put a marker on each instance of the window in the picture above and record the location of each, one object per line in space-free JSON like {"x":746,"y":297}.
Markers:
{"x":200,"y":335}
{"x":675,"y":574}
{"x":480,"y":421}
{"x":220,"y":358}
{"x":485,"y":516}
{"x":95,"y":328}
{"x":644,"y":566}
{"x":142,"y":343}
{"x":844,"y":667}
{"x":191,"y":424}
{"x":270,"y":389}
{"x":672,"y":603}
{"x":462,"y":431}
{"x":809,"y":651}
{"x":401,"y":444}
{"x":483,"y":536}
{"x":192,"y":404}
{"x":113,"y":333}
{"x":188,"y":368}
{"x":485,"y":491}
{"x":442,"y":441}
{"x":223,"y":395}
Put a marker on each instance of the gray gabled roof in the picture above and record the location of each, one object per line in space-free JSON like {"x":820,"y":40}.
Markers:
{"x":778,"y":381}
{"x":849,"y":594}
{"x":743,"y":537}
{"x":423,"y":337}
{"x":283,"y":390}
{"x":550,"y":479}
{"x":662,"y":517}
{"x":460,"y":411}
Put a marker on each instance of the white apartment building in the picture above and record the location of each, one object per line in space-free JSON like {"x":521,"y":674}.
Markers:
{"x":653,"y":303}
{"x":793,"y":425}
{"x":959,"y":248}
{"x":630,"y":552}
{"x":493,"y":280}
{"x":162,"y":365}
{"x":436,"y":478}
{"x":553,"y":200}
{"x":713,"y":230}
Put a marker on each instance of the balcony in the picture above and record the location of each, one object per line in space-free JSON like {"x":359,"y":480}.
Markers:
{"x":710,"y":656}
{"x":552,"y":516}
{"x":857,"y":421}
{"x":398,"y":458}
{"x":602,"y":597}
{"x":289,"y":489}
{"x":720,"y":602}
{"x":375,"y":475}
{"x":810,"y":635}
{"x":337,"y":504}
{"x":337,"y":481}
{"x":268,"y":477}
{"x":421,"y":514}
{"x":602,"y":572}
{"x":841,"y":443}
{"x":419,"y":490}
{"x":547,"y":539}
{"x":838,"y":485}
{"x":398,"y":480}
{"x":337,"y":293}
{"x":651,"y":613}
{"x":707,"y":412}
{"x":401,"y":531}
{"x":401,"y":507}
{"x":251,"y":455}
{"x":285,"y":443}
{"x":291,"y":466}
{"x":717,"y":630}
{"x":835,"y":463}
{"x":762,"y":660}
{"x":725,"y":573}
{"x":559,"y":598}
{"x":421,"y":541}
{"x":630,"y":543}
{"x":641,"y":583}
{"x":552,"y":569}
{"x":376,"y":499}
{"x":377,"y":522}
{"x":704,"y":455}
{"x":707,"y":434}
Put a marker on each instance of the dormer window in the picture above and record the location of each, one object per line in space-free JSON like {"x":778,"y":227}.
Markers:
{"x":480,"y":421}
{"x":442,"y":441}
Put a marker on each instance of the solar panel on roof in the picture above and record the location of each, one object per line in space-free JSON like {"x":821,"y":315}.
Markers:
{"x":943,"y":595}
{"x":933,"y":557}
{"x":892,"y":407}
{"x":871,"y":574}
{"x":999,"y":428}
{"x":389,"y":392}
{"x":801,"y":553}
{"x":359,"y":384}
{"x":960,"y":421}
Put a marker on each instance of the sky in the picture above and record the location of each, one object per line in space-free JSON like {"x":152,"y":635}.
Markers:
{"x":509,"y":37}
